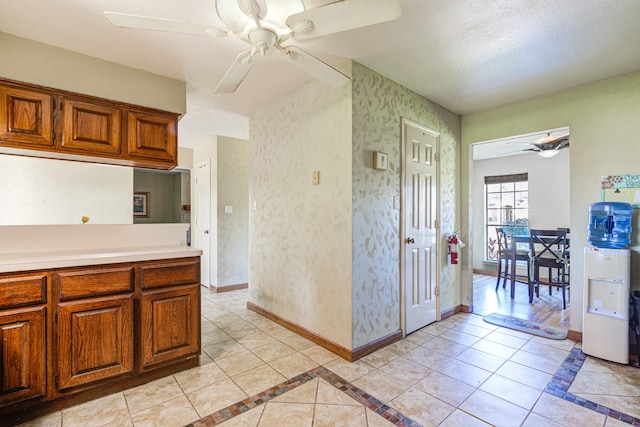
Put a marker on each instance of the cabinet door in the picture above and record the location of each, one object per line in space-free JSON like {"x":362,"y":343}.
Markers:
{"x":152,"y":136}
{"x":26,"y":118}
{"x":22,"y":359}
{"x":170,"y":324}
{"x":90,"y":128}
{"x":95,"y":340}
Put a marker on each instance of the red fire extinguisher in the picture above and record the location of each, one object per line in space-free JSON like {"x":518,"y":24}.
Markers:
{"x":453,"y":247}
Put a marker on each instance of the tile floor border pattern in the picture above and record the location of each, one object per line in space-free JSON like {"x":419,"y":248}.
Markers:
{"x":558,"y":386}
{"x":564,"y":377}
{"x":330,"y":377}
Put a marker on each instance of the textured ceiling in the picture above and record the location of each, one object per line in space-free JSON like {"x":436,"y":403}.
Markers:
{"x":466,"y":55}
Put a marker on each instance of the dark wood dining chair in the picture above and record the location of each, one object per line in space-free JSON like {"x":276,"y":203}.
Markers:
{"x":504,"y":259}
{"x":548,"y":251}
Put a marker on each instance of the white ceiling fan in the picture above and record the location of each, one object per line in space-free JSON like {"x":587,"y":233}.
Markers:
{"x":275,"y":28}
{"x":549,"y":146}
{"x":546,"y":146}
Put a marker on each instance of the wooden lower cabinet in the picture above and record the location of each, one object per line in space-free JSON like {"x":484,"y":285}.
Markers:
{"x":73,"y":334}
{"x":95,"y":340}
{"x":22,"y":364}
{"x":170,"y":324}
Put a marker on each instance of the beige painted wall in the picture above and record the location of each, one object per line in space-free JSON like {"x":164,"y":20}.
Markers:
{"x":233,"y":228}
{"x":49,"y":66}
{"x":379,"y":104}
{"x":603,"y":119}
{"x":44,"y":191}
{"x":299,"y":233}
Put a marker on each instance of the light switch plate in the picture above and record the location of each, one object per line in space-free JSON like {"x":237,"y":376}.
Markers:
{"x":228,"y":209}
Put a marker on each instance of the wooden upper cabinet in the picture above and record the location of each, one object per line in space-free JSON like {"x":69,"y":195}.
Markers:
{"x":152,"y":135}
{"x":26,"y":118}
{"x":43,"y":122}
{"x":90,"y":128}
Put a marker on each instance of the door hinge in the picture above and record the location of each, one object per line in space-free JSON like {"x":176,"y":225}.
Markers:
{"x":437,"y":157}
{"x":437,"y":290}
{"x":436,"y":224}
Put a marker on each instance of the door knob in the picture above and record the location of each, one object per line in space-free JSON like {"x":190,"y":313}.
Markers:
{"x":410,"y":240}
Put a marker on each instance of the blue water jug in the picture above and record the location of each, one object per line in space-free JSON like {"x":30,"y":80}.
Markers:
{"x":610,"y":225}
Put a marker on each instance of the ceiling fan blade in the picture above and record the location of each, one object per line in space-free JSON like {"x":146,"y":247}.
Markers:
{"x":353,"y":14}
{"x":138,"y":22}
{"x":236,"y":73}
{"x":315,"y":67}
{"x":560,"y":142}
{"x":254,"y":9}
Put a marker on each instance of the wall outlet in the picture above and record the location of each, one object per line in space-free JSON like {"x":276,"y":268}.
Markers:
{"x":228,"y":209}
{"x":315,"y":178}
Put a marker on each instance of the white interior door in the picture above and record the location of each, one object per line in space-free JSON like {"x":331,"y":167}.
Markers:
{"x":420,"y":225}
{"x":202,"y":227}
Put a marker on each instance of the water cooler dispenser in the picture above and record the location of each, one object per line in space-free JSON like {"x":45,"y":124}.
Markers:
{"x":605,"y":325}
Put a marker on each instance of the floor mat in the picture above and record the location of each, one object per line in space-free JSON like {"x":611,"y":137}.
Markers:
{"x":526,"y":326}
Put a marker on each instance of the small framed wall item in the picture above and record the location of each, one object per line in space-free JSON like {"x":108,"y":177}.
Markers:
{"x":380,"y":161}
{"x":141,"y":204}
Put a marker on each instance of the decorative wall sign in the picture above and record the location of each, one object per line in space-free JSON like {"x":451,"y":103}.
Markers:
{"x":621,"y":188}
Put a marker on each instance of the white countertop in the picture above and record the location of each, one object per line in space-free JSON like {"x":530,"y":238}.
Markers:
{"x":23,"y":261}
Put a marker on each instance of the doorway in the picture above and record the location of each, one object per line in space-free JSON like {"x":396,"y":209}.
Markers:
{"x":202,"y":224}
{"x":548,"y":208}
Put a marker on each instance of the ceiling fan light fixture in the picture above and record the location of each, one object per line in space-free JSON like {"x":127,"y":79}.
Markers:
{"x":547,"y":154}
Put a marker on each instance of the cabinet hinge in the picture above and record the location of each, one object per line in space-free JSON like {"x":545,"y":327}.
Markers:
{"x":55,"y":317}
{"x":55,"y":379}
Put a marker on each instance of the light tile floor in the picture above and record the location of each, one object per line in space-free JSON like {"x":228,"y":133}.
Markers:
{"x":458,"y":372}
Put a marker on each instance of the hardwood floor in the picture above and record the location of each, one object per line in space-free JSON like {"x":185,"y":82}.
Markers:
{"x":546,"y":309}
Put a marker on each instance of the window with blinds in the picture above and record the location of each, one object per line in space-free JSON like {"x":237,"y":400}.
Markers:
{"x":506,"y":205}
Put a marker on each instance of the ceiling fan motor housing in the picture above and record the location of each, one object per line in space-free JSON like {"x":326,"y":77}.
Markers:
{"x":262,"y":39}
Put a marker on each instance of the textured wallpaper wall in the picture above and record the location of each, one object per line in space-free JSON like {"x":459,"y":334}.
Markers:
{"x":379,"y":104}
{"x":233,"y":227}
{"x":300,"y":234}
{"x":326,"y":257}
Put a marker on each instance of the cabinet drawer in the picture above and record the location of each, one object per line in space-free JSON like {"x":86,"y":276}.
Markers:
{"x":95,"y":281}
{"x":170,"y":273}
{"x":16,"y":291}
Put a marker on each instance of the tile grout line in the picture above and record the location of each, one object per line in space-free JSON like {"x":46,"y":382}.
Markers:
{"x":564,"y":377}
